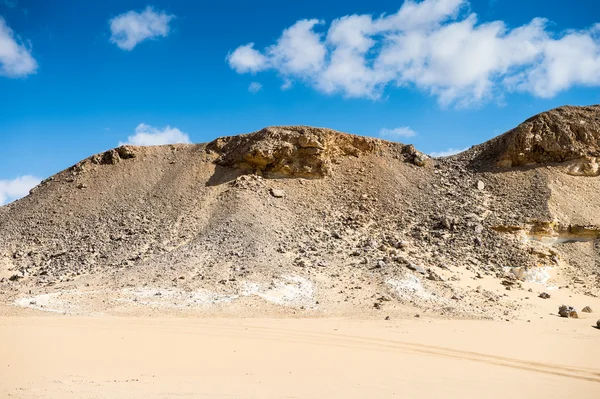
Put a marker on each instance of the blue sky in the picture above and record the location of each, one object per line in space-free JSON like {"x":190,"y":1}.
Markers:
{"x":79,"y":77}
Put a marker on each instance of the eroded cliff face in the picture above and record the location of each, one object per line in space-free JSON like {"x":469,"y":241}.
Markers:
{"x":566,"y":134}
{"x":301,"y":151}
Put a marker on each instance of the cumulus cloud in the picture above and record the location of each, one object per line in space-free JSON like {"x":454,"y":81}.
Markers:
{"x":247,"y":59}
{"x":148,"y":135}
{"x":255,"y":87}
{"x":437,"y":46}
{"x":19,"y":187}
{"x":15,"y":58}
{"x":448,"y":152}
{"x":131,"y":28}
{"x":397,"y":133}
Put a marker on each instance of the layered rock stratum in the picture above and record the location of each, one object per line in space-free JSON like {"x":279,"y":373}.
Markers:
{"x":312,"y":221}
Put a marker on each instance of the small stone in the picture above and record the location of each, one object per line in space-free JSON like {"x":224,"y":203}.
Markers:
{"x":573,"y":314}
{"x":420,"y":159}
{"x":277,"y":193}
{"x":433,"y":276}
{"x":446,"y":222}
{"x":598,"y":323}
{"x":388,"y":317}
{"x":587,"y":309}
{"x":480,"y":185}
{"x":110,"y":157}
{"x":417,"y":315}
{"x":568,"y":311}
{"x":416,"y":268}
{"x":544,"y":295}
{"x":126,"y":152}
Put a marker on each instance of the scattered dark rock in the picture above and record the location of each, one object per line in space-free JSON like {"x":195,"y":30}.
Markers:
{"x":587,"y":309}
{"x":568,"y":311}
{"x":433,"y":276}
{"x":110,"y":157}
{"x":126,"y":152}
{"x":544,"y":295}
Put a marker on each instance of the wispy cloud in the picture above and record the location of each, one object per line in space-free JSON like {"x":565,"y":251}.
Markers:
{"x":15,"y":58}
{"x":397,"y":133}
{"x":448,"y":152}
{"x":19,"y":187}
{"x":148,"y":135}
{"x":131,"y":28}
{"x":437,"y":46}
{"x":286,"y":85}
{"x":255,"y":87}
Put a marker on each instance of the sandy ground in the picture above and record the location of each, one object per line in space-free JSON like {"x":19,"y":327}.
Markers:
{"x":168,"y":357}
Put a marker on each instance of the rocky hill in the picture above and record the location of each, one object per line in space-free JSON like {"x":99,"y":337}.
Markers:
{"x":303,"y":219}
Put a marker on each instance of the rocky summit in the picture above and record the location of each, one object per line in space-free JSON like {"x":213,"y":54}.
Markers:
{"x":315,"y":221}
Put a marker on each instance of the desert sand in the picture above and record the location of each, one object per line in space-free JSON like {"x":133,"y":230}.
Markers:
{"x":174,"y":357}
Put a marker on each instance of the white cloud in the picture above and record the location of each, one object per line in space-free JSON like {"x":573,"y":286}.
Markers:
{"x":148,"y":135}
{"x":19,"y":187}
{"x":436,"y":46}
{"x":448,"y":152}
{"x":299,"y":50}
{"x":132,"y":27}
{"x":397,"y":133}
{"x":255,"y":87}
{"x":246,"y":59}
{"x":15,"y":58}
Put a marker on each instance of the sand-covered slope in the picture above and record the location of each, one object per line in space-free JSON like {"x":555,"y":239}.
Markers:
{"x":312,"y":220}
